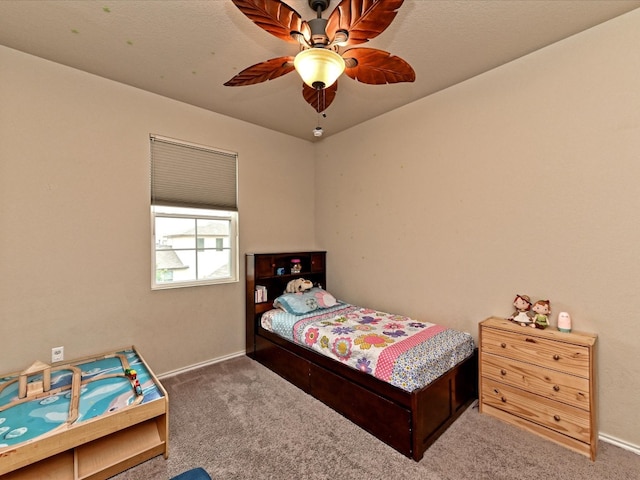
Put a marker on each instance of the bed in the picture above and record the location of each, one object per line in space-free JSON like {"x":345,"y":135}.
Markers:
{"x":407,"y":408}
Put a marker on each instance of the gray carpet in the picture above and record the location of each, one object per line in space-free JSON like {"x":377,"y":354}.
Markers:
{"x":238,"y":420}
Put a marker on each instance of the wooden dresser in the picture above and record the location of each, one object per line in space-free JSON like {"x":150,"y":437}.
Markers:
{"x":540,"y":380}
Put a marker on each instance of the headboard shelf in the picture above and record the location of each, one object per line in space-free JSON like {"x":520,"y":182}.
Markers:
{"x":272,"y":271}
{"x":270,"y":265}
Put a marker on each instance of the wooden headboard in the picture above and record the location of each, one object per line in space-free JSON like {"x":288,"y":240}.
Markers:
{"x":273,"y":271}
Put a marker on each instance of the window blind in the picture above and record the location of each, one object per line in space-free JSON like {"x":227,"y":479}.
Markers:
{"x":186,"y":175}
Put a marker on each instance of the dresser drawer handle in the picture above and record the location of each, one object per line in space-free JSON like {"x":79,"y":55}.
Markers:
{"x":556,"y":357}
{"x":503,"y":345}
{"x":503,"y":372}
{"x":556,"y":388}
{"x":530,"y":340}
{"x":503,"y":399}
{"x":556,"y":418}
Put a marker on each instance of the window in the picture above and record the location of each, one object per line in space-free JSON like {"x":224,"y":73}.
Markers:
{"x":194,"y":215}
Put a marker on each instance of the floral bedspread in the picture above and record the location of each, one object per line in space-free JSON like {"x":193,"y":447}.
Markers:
{"x":397,"y":349}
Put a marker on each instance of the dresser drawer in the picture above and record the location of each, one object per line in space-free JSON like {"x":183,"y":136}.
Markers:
{"x":547,"y":383}
{"x":553,"y":354}
{"x":562,"y":418}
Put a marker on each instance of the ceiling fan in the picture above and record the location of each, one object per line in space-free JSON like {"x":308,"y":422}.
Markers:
{"x":320,"y":61}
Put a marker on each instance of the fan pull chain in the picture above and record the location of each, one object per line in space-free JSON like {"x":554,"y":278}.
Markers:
{"x":318,"y":131}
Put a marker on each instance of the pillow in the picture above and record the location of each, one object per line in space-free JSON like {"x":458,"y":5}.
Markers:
{"x":305,"y":302}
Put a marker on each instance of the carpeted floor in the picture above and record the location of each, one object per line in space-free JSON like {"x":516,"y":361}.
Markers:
{"x":238,"y":420}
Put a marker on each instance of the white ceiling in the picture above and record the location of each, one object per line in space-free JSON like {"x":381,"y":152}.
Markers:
{"x":187,"y":49}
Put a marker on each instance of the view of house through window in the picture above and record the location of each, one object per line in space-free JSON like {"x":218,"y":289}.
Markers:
{"x":193,"y":245}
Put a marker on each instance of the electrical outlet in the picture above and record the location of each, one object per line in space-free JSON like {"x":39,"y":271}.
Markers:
{"x":57,"y":354}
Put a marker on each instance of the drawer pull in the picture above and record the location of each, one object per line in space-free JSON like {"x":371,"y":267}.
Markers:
{"x":556,"y":418}
{"x":504,"y":400}
{"x":503,"y":345}
{"x":556,"y":357}
{"x":556,"y":388}
{"x":503,"y":372}
{"x":530,"y":340}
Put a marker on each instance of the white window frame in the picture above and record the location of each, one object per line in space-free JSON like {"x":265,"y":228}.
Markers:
{"x":195,"y":214}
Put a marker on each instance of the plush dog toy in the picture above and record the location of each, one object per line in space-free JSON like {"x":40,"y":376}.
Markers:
{"x":298,"y":285}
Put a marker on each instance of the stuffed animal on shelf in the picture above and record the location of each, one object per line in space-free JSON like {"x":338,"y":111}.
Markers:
{"x":523,"y":314}
{"x":542,"y":309}
{"x":298,"y":285}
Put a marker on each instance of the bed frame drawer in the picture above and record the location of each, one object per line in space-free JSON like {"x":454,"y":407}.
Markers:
{"x":293,"y":368}
{"x":363,"y":407}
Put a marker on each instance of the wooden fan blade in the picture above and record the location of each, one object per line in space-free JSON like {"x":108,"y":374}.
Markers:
{"x":363,"y":19}
{"x":377,"y":67}
{"x":261,"y":72}
{"x":273,"y":16}
{"x":319,"y":99}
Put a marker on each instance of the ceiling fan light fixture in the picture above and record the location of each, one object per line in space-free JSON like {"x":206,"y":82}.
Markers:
{"x":319,"y":67}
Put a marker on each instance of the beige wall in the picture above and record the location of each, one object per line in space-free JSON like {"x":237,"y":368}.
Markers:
{"x":522,"y":180}
{"x":74,"y":218}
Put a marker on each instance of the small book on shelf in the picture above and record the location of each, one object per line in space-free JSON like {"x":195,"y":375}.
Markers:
{"x":261,"y":294}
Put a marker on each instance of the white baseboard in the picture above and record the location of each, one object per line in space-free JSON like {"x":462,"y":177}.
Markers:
{"x":620,"y":443}
{"x":188,"y":368}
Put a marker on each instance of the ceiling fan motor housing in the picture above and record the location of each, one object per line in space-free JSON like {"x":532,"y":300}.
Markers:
{"x":318,"y":28}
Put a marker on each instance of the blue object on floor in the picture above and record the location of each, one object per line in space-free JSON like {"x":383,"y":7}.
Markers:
{"x":193,"y":474}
